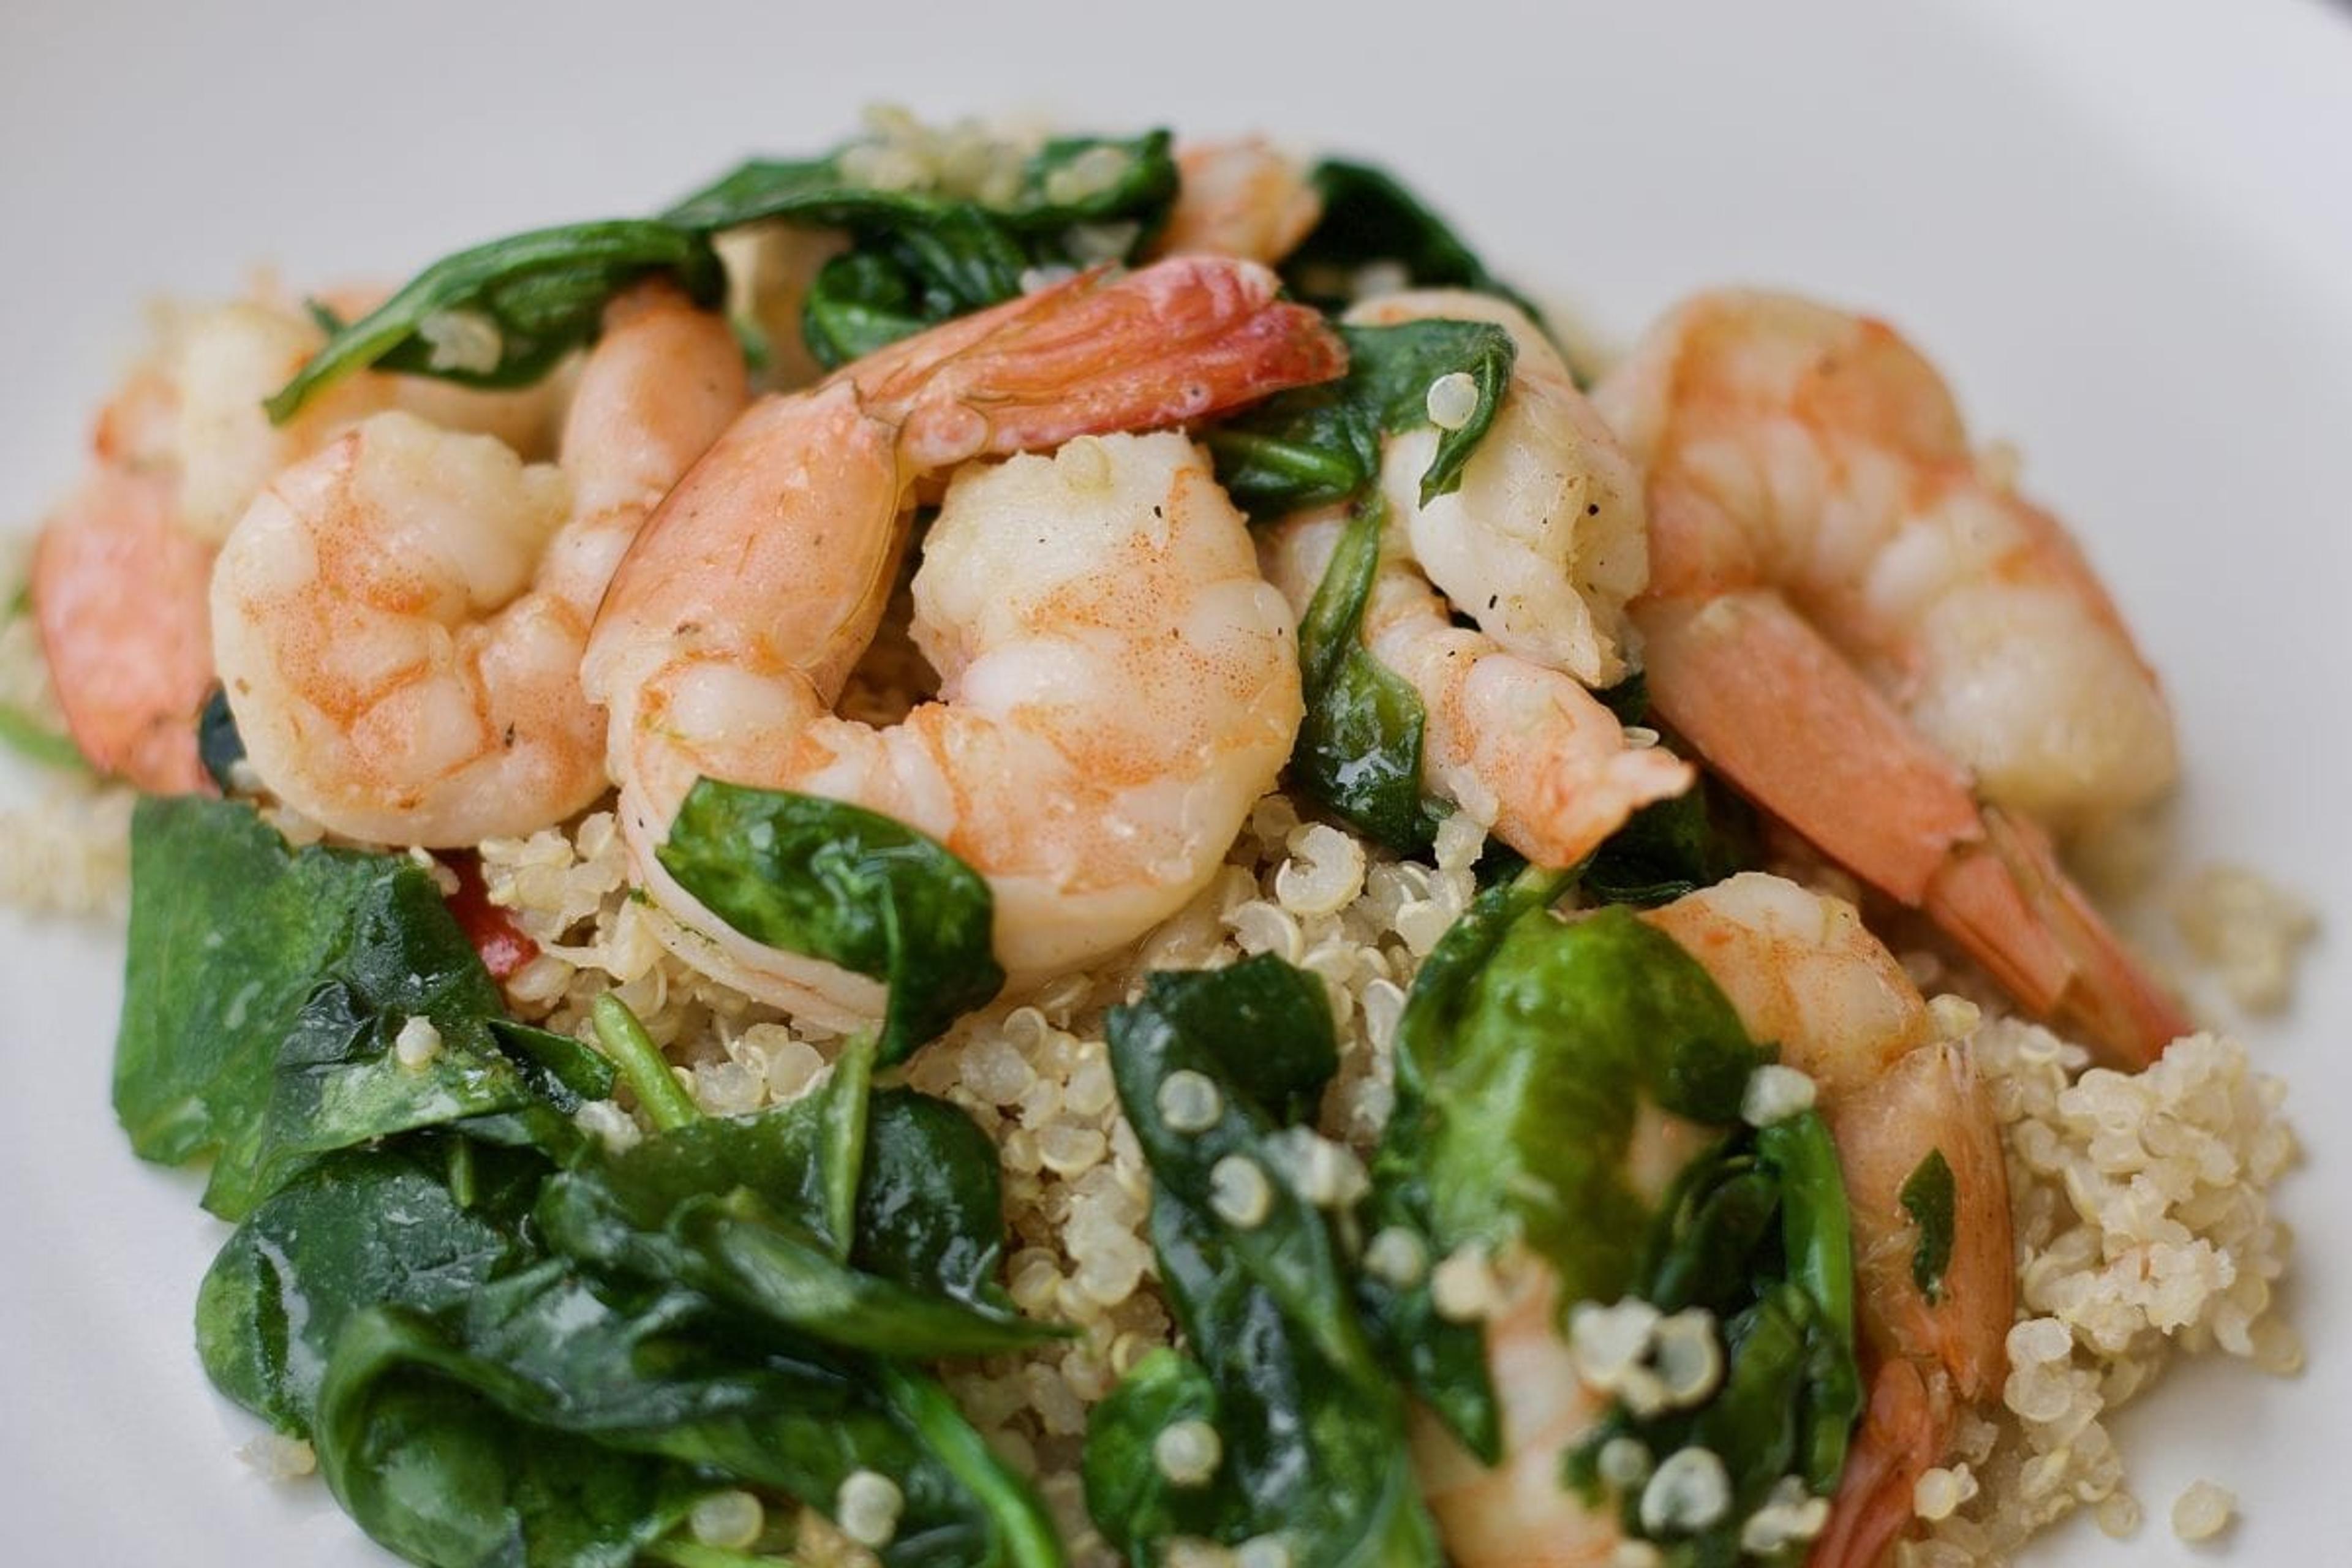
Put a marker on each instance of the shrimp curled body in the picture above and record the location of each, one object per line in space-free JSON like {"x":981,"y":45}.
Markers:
{"x":1801,"y":970}
{"x":1118,"y":685}
{"x":1540,"y":545}
{"x":122,"y":578}
{"x":1846,"y":607}
{"x":398,"y":620}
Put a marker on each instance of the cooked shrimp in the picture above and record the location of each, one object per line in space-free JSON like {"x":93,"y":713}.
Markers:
{"x":131,"y":670}
{"x":1800,"y":969}
{"x":123,"y":572}
{"x":223,"y":361}
{"x":399,"y":619}
{"x":1117,"y":683}
{"x":1844,"y":608}
{"x":1520,"y":747}
{"x":1242,"y":198}
{"x":1541,"y":546}
{"x":1519,"y":1513}
{"x":1544,"y":541}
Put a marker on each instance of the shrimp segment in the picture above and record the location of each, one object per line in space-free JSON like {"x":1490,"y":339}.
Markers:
{"x":1844,"y":609}
{"x":1540,"y":545}
{"x":1181,"y":339}
{"x":131,"y":670}
{"x":1801,"y":969}
{"x":1519,"y":746}
{"x":122,"y":574}
{"x":398,"y":619}
{"x":1241,"y":198}
{"x":1544,"y":540}
{"x":1118,"y":684}
{"x":1520,"y":1514}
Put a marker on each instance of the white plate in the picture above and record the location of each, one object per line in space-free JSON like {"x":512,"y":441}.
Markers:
{"x":2120,"y":227}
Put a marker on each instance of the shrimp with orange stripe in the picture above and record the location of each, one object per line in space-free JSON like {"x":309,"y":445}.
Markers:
{"x":1871,"y":634}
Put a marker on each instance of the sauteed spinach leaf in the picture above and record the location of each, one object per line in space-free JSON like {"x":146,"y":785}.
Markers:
{"x":1669,"y":848}
{"x":1310,"y":1429}
{"x":1358,"y":751}
{"x":735,"y":1210}
{"x":1531,"y":1054}
{"x":846,"y":884}
{"x":319,"y":1250}
{"x":266,"y":992}
{"x":917,"y":258}
{"x":1757,"y":1234}
{"x":1370,"y":218}
{"x":505,"y":1346}
{"x":1322,"y":443}
{"x":503,"y":313}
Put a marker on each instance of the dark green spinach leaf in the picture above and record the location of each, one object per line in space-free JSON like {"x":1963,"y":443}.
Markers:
{"x":416,"y":1439}
{"x":917,"y":257}
{"x":529,"y":298}
{"x":1566,"y":1037}
{"x":1757,"y":1234}
{"x":846,"y":884}
{"x":1674,"y":847}
{"x":1928,"y":1196}
{"x":1369,"y":217}
{"x":265,"y":988}
{"x":1312,"y":1430}
{"x":1442,"y":1360}
{"x":1359,"y":749}
{"x":519,"y":305}
{"x":816,"y":192}
{"x":1527,"y":1052}
{"x":362,"y":1228}
{"x":737,"y":1209}
{"x":337,"y":1080}
{"x":1205,"y":1022}
{"x":1322,"y":443}
{"x":220,"y":747}
{"x":659,"y":1371}
{"x":1671,"y":847}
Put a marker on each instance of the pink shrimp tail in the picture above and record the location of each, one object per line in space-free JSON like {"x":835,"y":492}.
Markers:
{"x":1180,"y":340}
{"x":1903,"y":1434}
{"x":1781,"y":714}
{"x":2008,"y":902}
{"x":119,"y":593}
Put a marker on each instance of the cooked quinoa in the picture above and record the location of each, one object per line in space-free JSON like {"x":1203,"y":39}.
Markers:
{"x":2142,"y":1205}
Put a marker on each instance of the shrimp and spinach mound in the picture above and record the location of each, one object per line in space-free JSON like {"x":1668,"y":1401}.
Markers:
{"x":991,"y":852}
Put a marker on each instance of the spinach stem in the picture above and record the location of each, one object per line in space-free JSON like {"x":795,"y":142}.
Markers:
{"x":849,"y":1099}
{"x":1028,"y":1536}
{"x":642,"y":1064}
{"x":21,"y":733}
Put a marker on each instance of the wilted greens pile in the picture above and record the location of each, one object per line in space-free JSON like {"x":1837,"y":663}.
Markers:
{"x":506,"y":1341}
